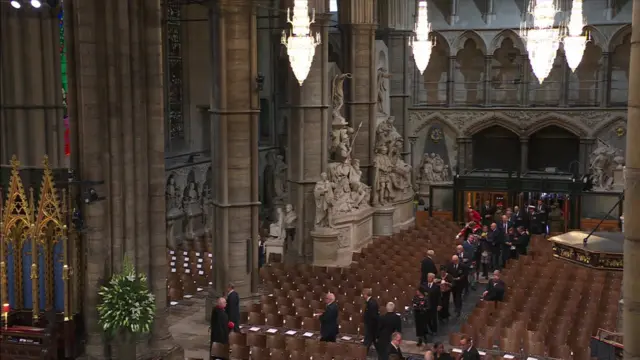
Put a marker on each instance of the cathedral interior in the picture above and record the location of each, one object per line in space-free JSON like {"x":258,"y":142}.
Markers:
{"x":117,"y":117}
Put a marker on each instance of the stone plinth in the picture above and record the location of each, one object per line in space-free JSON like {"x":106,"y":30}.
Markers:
{"x":274,"y":246}
{"x":618,"y":180}
{"x":404,"y":215}
{"x":383,"y":221}
{"x":355,"y":232}
{"x":325,"y":246}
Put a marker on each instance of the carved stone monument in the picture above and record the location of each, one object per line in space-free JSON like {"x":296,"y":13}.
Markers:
{"x":277,"y":235}
{"x":606,"y":164}
{"x":343,"y":221}
{"x":392,"y":186}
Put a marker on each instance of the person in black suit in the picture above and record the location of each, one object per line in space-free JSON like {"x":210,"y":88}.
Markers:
{"x":523,"y":240}
{"x":371,"y":315}
{"x":329,"y":320}
{"x":518,"y":217}
{"x":469,"y":352}
{"x":233,"y":307}
{"x":220,"y":325}
{"x":389,"y":324}
{"x":495,"y":288}
{"x":394,"y":351}
{"x":487,"y":213}
{"x":420,"y":306}
{"x":542,"y":216}
{"x":427,"y":266}
{"x":434,"y":298}
{"x":445,"y":281}
{"x":460,"y":278}
{"x":495,"y":240}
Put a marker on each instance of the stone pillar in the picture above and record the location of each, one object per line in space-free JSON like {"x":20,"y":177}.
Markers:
{"x":358,"y":20}
{"x":524,"y":154}
{"x":487,"y":79}
{"x":631,"y":276}
{"x":31,"y":120}
{"x":234,"y":107}
{"x":308,"y":132}
{"x":525,"y":78}
{"x":397,"y":17}
{"x":116,"y":105}
{"x":605,"y":81}
{"x":451,"y":81}
{"x":566,"y":78}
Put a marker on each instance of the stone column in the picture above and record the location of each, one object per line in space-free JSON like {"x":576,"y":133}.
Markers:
{"x":116,"y":105}
{"x":605,"y":81}
{"x":631,"y":276}
{"x":234,"y":109}
{"x":31,"y":120}
{"x":308,"y":132}
{"x":525,"y":78}
{"x":451,"y":81}
{"x":358,"y":21}
{"x":397,"y":18}
{"x":566,"y":78}
{"x":524,"y":154}
{"x":487,"y":79}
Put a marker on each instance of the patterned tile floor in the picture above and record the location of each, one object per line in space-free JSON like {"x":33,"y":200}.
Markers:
{"x":190,"y":330}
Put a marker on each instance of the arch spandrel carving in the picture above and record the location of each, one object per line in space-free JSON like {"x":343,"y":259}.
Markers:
{"x":421,"y":121}
{"x":618,"y":37}
{"x":441,"y":40}
{"x":458,"y":44}
{"x":604,"y":125}
{"x":559,"y":120}
{"x":597,"y":37}
{"x":494,"y":120}
{"x":496,"y":43}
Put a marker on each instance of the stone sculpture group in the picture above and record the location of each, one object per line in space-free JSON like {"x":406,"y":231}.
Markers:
{"x":433,"y":169}
{"x":605,"y":160}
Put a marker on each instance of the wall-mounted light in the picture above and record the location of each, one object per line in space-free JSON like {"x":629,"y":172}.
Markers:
{"x":260,"y":82}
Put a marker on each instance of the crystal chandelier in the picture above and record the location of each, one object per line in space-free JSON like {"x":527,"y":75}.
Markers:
{"x":542,"y":39}
{"x":420,"y":42}
{"x":575,"y":42}
{"x":300,"y":44}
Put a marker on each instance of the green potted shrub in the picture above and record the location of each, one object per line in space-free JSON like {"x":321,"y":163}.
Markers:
{"x":126,"y":310}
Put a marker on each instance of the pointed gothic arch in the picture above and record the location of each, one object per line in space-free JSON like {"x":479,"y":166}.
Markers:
{"x":496,"y":43}
{"x":556,"y":120}
{"x":458,"y":44}
{"x":493,"y":120}
{"x":618,"y":37}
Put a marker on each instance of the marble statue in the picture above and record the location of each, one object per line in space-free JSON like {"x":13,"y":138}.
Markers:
{"x":433,"y":169}
{"x":323,"y":194}
{"x":277,"y":229}
{"x":604,"y":160}
{"x":392,"y":176}
{"x":383,"y":91}
{"x":341,"y":142}
{"x":338,"y":98}
{"x":290,"y":218}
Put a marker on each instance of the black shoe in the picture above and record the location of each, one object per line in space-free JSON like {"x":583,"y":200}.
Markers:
{"x":419,"y":341}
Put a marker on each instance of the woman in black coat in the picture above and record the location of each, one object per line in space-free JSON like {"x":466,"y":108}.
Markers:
{"x":220,"y":324}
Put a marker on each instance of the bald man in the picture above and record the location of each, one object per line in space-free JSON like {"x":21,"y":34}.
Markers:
{"x":329,"y":319}
{"x":460,"y":275}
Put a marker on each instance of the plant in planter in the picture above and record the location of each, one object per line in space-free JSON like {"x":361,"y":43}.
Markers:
{"x":127,"y":309}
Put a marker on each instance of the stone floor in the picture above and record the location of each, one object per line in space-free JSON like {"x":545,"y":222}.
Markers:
{"x":190,"y":330}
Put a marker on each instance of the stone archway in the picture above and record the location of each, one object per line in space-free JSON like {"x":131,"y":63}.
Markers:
{"x":553,"y":147}
{"x":496,"y":147}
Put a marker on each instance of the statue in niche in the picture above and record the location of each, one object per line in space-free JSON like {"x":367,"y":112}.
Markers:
{"x":280,"y":177}
{"x":207,"y":197}
{"x":338,"y":98}
{"x":383,"y":74}
{"x":603,"y":161}
{"x":392,"y":176}
{"x":172,"y":193}
{"x":433,"y":169}
{"x":323,"y":194}
{"x":290,"y":218}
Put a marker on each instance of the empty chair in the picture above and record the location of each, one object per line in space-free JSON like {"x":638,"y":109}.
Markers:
{"x":279,"y":354}
{"x":257,"y":340}
{"x":310,"y":324}
{"x":219,"y":350}
{"x":295,"y":343}
{"x":255,"y":318}
{"x":236,"y":338}
{"x":240,"y":352}
{"x":275,"y":320}
{"x":258,"y":353}
{"x":276,"y":341}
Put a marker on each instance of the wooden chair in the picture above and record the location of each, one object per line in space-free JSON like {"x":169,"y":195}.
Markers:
{"x":219,"y":350}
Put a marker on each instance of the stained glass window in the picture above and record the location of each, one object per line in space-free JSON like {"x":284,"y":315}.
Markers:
{"x":173,"y":58}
